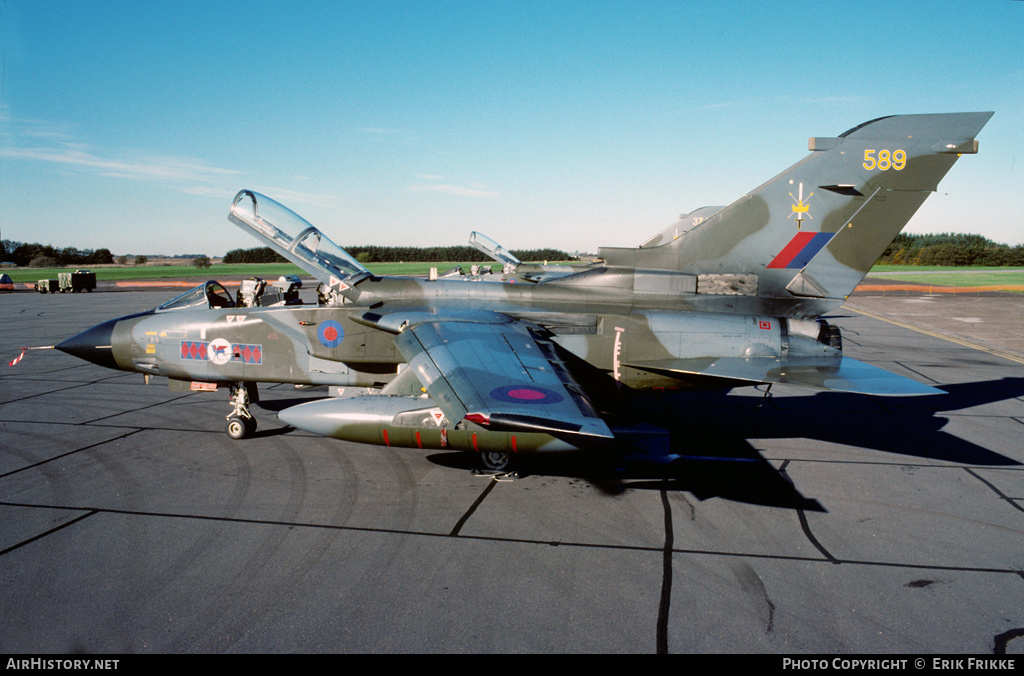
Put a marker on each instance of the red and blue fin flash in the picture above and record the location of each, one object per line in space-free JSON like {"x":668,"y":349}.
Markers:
{"x":801,"y":249}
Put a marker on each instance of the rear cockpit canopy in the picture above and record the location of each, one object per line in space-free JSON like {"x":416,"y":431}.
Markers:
{"x":488,"y":246}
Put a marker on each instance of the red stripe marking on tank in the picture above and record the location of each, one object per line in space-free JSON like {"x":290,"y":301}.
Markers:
{"x":386,"y":442}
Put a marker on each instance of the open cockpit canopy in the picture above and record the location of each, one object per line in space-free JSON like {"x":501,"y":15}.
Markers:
{"x":294,"y":238}
{"x":207,"y":295}
{"x":491,"y":248}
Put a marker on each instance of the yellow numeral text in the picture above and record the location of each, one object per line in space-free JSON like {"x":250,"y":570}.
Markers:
{"x":885,"y":159}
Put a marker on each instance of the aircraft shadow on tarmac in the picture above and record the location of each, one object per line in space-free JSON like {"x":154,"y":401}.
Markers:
{"x":711,"y":431}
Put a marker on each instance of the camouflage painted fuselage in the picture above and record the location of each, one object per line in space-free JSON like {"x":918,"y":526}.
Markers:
{"x":610,"y":327}
{"x":537,"y":359}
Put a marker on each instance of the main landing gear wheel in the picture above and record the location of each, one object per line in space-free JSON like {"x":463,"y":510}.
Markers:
{"x":239,"y":427}
{"x":495,"y":460}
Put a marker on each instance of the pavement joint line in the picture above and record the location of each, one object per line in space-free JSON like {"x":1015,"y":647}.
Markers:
{"x":657,"y":549}
{"x":665,"y":600}
{"x":48,"y":533}
{"x":934,"y":334}
{"x":67,"y":453}
{"x":1002,"y":495}
{"x":805,"y":526}
{"x":1015,"y":467}
{"x":136,"y":410}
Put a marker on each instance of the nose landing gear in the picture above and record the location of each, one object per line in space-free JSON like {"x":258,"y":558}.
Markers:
{"x":240,"y":423}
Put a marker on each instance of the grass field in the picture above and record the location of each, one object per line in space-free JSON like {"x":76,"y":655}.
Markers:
{"x":934,"y":268}
{"x":219,"y":271}
{"x":946,"y":276}
{"x":30,"y":275}
{"x":940,"y":276}
{"x":956,"y":278}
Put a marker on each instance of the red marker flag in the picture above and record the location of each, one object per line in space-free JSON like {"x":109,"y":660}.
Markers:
{"x":19,"y":357}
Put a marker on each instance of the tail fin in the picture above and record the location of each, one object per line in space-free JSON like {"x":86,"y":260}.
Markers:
{"x":816,"y":229}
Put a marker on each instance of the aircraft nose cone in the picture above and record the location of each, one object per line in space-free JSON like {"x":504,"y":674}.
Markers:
{"x":93,"y":345}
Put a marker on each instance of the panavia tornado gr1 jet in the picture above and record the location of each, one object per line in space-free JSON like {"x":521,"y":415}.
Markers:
{"x":541,"y":359}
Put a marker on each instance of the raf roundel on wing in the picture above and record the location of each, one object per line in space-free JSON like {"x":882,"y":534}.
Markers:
{"x":525,"y":394}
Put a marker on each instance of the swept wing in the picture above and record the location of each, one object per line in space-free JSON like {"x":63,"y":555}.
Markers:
{"x":498,"y":376}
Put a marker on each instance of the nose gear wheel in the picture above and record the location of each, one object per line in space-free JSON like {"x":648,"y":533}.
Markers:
{"x":240,"y":423}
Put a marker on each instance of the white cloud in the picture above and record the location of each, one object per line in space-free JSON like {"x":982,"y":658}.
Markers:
{"x":471,"y":190}
{"x":291,"y":198}
{"x":782,"y":98}
{"x":41,"y":141}
{"x":210,"y":191}
{"x":150,"y":167}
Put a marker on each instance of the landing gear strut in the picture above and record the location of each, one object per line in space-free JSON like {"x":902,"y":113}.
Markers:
{"x":241,"y":424}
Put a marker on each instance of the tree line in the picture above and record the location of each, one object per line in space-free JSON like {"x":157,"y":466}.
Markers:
{"x":398,"y":254}
{"x":34,"y":255}
{"x":952,"y":250}
{"x":942,"y":249}
{"x":46,"y":256}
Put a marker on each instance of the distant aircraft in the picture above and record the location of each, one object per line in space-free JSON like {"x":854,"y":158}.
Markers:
{"x":544,"y":360}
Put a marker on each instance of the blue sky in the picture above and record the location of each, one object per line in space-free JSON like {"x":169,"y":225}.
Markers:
{"x":131,"y":125}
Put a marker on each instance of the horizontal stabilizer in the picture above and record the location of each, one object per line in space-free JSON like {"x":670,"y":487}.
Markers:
{"x":844,"y":375}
